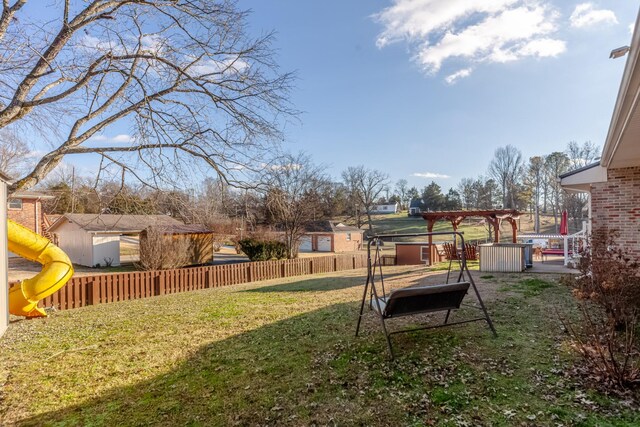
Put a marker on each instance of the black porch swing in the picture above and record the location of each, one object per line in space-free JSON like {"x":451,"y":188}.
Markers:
{"x":419,"y":299}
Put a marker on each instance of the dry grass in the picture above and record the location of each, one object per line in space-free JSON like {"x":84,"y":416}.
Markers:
{"x":283,"y":353}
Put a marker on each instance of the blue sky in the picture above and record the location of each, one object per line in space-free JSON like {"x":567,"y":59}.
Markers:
{"x":384,"y":107}
{"x":428,"y":89}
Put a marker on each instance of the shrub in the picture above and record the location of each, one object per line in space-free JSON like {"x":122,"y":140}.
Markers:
{"x":608,"y":295}
{"x":158,"y":251}
{"x":263,"y":250}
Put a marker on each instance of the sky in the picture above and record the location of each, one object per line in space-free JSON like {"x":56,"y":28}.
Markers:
{"x":428,"y":89}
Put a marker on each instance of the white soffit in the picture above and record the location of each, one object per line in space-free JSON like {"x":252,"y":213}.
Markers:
{"x":582,"y":180}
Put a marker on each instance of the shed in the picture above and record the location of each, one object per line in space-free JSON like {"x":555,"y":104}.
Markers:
{"x":330,"y":236}
{"x":4,"y":253}
{"x":94,"y":239}
{"x":199,"y":240}
{"x":416,"y":253}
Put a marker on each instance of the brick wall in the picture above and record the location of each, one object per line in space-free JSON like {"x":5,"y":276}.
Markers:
{"x":341,"y":244}
{"x":616,"y":204}
{"x":27,"y":215}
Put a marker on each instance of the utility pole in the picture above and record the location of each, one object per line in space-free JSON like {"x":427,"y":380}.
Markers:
{"x":73,"y":189}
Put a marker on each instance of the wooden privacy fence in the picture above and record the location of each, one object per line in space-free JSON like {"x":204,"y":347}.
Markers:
{"x":111,"y":287}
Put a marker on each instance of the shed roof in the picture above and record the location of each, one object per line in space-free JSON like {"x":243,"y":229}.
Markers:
{"x":31,"y":194}
{"x":109,"y":223}
{"x":327,"y":226}
{"x":183,"y":229}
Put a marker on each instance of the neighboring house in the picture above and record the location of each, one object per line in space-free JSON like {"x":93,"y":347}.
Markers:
{"x":613,"y":183}
{"x":94,"y":239}
{"x":25,"y":208}
{"x":385,"y":209}
{"x":415,"y":207}
{"x":4,"y":287}
{"x":331,"y":236}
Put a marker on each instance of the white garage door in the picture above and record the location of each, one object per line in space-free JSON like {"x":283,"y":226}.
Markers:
{"x":305,"y":244}
{"x":324,"y":244}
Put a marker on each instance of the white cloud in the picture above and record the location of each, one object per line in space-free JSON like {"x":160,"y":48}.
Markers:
{"x":460,"y":74}
{"x":471,"y":31}
{"x":122,"y":138}
{"x":586,"y":15}
{"x":227,"y":66}
{"x":431,"y":175}
{"x":544,"y":48}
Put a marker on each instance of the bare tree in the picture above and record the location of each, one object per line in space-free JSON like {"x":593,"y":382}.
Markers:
{"x":556,"y":163}
{"x":579,"y":156}
{"x":183,"y":76}
{"x":14,"y":152}
{"x":582,"y":155}
{"x":402,"y":190}
{"x":293,"y":186}
{"x":535,"y":180}
{"x":505,"y":168}
{"x":365,"y":186}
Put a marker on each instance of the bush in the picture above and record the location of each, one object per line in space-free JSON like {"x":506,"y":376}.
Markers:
{"x":158,"y":251}
{"x":608,"y":294}
{"x":263,"y":250}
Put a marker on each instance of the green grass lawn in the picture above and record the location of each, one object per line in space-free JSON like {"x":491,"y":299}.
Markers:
{"x":400,"y":223}
{"x":284,"y":353}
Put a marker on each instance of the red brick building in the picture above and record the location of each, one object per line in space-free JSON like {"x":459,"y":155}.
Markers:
{"x":25,"y":208}
{"x":331,"y":236}
{"x":614,"y":182}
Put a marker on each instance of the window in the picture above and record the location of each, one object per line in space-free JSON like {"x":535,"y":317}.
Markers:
{"x":15,"y":204}
{"x":424,"y":253}
{"x":348,"y":237}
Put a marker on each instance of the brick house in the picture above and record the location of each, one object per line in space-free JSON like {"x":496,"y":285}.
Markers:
{"x":330,"y":236}
{"x":25,"y":208}
{"x":613,"y":183}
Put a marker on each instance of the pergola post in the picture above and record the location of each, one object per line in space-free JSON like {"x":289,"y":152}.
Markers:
{"x":514,"y":228}
{"x":495,"y":223}
{"x":430,"y":224}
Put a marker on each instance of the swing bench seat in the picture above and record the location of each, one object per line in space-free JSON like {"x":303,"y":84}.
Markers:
{"x":421,"y":299}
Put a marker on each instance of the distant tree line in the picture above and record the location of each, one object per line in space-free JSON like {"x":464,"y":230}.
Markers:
{"x":292,"y":192}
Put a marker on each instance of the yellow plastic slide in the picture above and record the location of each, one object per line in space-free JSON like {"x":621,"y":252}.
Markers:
{"x":56,"y":270}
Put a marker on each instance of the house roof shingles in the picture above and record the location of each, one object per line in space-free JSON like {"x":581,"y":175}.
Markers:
{"x":330,"y":227}
{"x":109,"y":223}
{"x":183,"y":229}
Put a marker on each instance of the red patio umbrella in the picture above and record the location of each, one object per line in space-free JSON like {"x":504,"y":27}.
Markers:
{"x":564,"y":223}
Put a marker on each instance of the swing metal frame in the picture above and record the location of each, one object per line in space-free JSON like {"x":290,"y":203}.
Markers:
{"x":374,"y":268}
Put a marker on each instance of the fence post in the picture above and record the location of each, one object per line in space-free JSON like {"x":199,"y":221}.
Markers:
{"x":209,"y":277}
{"x":283,"y":273}
{"x":94,"y":292}
{"x":353,"y":258}
{"x":311,"y":266}
{"x":161,"y":284}
{"x":335,"y":263}
{"x":249,"y":273}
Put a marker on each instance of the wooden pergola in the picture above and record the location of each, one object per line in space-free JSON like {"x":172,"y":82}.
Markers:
{"x":494,"y":217}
